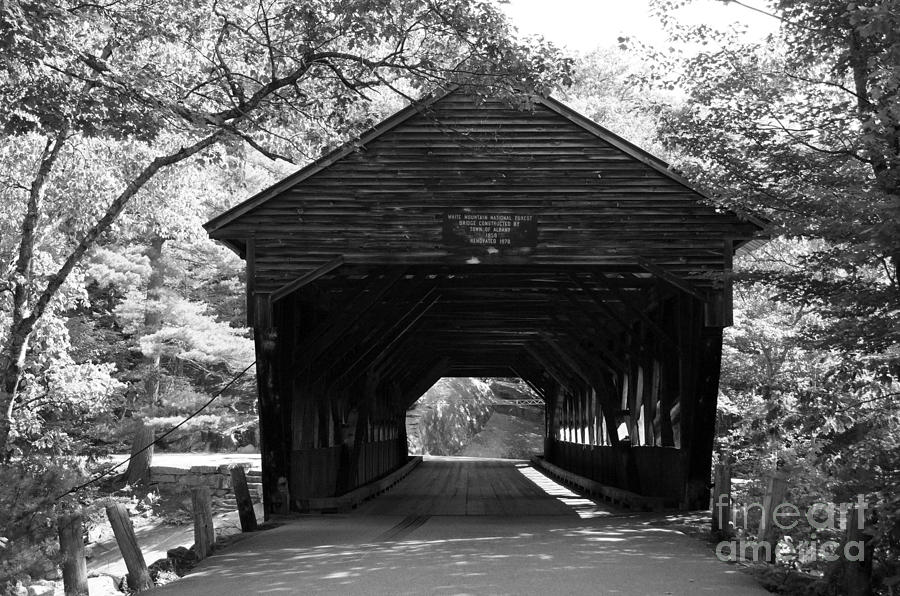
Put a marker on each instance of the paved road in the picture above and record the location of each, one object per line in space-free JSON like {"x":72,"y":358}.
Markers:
{"x":469,"y":527}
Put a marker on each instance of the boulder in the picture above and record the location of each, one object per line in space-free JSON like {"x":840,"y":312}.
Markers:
{"x":103,"y":585}
{"x":42,"y":588}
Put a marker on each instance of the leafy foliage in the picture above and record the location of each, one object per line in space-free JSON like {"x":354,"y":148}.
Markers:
{"x":803,"y":129}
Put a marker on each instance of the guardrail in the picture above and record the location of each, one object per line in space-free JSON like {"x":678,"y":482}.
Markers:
{"x":522,"y":402}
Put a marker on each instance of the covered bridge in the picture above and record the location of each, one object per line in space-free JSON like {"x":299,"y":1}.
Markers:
{"x":467,"y":237}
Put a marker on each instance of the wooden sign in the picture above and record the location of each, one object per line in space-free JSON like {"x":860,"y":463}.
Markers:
{"x":490,"y":230}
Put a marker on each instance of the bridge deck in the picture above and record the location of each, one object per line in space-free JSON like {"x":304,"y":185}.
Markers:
{"x":469,"y":527}
{"x":480,"y":486}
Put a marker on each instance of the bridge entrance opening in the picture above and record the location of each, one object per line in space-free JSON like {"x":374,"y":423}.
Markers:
{"x":477,"y":417}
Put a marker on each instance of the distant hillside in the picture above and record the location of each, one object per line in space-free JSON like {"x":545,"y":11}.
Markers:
{"x":511,"y":435}
{"x":471,"y":416}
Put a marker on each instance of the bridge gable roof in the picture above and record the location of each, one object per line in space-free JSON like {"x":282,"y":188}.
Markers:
{"x":594,"y":197}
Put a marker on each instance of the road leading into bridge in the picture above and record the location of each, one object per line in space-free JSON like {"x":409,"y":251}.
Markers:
{"x":469,"y":526}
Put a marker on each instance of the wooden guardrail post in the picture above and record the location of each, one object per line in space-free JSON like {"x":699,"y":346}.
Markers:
{"x":204,"y":531}
{"x":138,"y":576}
{"x":141,"y":456}
{"x":242,"y":497}
{"x":768,"y":533}
{"x":721,"y":504}
{"x":857,"y":555}
{"x":71,"y":547}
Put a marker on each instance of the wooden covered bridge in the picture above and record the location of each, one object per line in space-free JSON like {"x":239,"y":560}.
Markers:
{"x":466,"y":237}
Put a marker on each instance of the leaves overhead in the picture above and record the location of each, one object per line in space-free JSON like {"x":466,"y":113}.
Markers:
{"x":252,"y":68}
{"x":803,"y":128}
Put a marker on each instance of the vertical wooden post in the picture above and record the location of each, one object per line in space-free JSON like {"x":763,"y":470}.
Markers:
{"x":668,"y":389}
{"x":204,"y":531}
{"x":138,"y":576}
{"x":609,"y":409}
{"x":141,"y":456}
{"x":721,"y":503}
{"x":71,"y":547}
{"x":858,"y":570}
{"x":774,"y":497}
{"x":728,"y":289}
{"x":551,"y":419}
{"x":274,"y":413}
{"x":701,"y":394}
{"x":401,"y":434}
{"x":242,"y":498}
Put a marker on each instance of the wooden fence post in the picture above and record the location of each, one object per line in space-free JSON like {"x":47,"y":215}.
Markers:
{"x":774,"y":497}
{"x":204,"y":531}
{"x":141,"y":458}
{"x":858,"y":569}
{"x":138,"y":576}
{"x":721,"y":504}
{"x":242,"y":497}
{"x":71,"y":547}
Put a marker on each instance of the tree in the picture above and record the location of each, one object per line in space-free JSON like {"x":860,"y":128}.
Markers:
{"x":602,"y":89}
{"x":176,"y":80}
{"x":804,"y":130}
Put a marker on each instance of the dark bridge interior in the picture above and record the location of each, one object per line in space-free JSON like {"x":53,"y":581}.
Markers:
{"x":473,"y":238}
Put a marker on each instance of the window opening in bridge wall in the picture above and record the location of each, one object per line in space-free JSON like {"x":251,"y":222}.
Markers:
{"x":478,"y":417}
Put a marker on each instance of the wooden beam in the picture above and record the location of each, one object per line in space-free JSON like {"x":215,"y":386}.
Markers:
{"x":425,"y":380}
{"x":250,"y":258}
{"x":728,"y":290}
{"x":307,"y":278}
{"x":682,"y":284}
{"x":410,"y":320}
{"x":551,"y":367}
{"x":597,"y":323}
{"x":368,"y":328}
{"x":611,"y":314}
{"x":608,"y":359}
{"x":527,"y":376}
{"x":629,"y":306}
{"x":377,"y":349}
{"x":603,"y":387}
{"x":340,"y":322}
{"x":274,"y":412}
{"x":569,"y":361}
{"x":720,"y":309}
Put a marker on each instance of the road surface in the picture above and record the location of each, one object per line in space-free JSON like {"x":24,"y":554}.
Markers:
{"x":469,"y":526}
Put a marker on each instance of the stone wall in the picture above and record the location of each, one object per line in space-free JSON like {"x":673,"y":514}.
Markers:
{"x":171,"y":480}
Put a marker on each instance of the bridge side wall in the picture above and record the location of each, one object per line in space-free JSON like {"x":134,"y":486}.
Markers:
{"x":648,"y":471}
{"x":648,"y":424}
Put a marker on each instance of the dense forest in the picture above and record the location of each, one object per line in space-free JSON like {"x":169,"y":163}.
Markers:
{"x":128,"y":124}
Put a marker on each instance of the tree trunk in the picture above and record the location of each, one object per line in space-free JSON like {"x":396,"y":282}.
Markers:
{"x":153,"y":316}
{"x":12,"y":358}
{"x":12,"y":361}
{"x":141,"y":457}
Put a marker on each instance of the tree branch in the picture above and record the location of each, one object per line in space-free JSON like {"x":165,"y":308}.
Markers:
{"x":256,"y":145}
{"x":115,"y":208}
